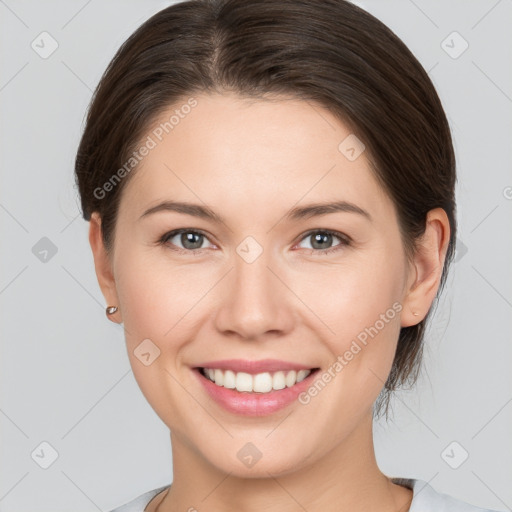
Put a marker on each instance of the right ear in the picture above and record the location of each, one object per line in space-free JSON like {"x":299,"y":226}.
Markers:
{"x":103,"y":266}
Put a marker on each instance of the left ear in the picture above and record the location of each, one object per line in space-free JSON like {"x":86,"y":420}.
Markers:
{"x":427,"y":268}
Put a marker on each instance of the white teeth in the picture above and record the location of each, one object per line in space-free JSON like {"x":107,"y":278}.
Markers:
{"x":229,"y":379}
{"x":219,"y":377}
{"x":291,"y":378}
{"x":302,"y":374}
{"x":262,"y":383}
{"x":259,"y":383}
{"x":278,"y":381}
{"x":243,"y":381}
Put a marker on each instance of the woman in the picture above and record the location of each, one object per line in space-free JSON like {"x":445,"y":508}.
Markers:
{"x":270,"y":190}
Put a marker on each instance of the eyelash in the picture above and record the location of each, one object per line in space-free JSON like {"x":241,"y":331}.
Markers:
{"x":345,"y":241}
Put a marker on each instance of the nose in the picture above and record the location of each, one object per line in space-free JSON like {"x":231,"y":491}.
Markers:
{"x":255,"y":302}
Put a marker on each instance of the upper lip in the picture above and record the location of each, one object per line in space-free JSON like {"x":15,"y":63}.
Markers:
{"x":253,"y":367}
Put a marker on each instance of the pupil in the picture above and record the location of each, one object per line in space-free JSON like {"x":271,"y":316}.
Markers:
{"x":321,"y":238}
{"x":194,"y":239}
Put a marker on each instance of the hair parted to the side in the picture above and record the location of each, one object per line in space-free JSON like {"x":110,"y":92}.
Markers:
{"x":328,"y":51}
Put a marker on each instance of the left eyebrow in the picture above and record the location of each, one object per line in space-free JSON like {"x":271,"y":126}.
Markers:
{"x":317,"y":209}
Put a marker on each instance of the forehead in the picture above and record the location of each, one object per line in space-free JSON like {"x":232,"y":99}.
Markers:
{"x":229,"y":150}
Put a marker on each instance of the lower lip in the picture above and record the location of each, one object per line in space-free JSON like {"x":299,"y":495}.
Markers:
{"x":254,"y":404}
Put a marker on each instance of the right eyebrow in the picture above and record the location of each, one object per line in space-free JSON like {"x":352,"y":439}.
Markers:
{"x":195,"y":210}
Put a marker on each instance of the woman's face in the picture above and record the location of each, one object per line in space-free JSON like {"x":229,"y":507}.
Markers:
{"x":272,"y":279}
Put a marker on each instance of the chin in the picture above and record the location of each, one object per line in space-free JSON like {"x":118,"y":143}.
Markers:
{"x":248,"y":461}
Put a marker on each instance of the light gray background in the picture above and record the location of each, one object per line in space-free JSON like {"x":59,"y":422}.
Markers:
{"x":65,"y":375}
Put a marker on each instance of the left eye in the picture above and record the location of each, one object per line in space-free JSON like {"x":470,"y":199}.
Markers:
{"x":321,"y":240}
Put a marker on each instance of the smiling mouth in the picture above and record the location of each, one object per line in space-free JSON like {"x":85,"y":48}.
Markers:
{"x":264,"y":382}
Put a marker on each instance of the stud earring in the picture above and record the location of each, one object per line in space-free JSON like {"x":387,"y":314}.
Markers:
{"x":415,"y":313}
{"x":110,"y":310}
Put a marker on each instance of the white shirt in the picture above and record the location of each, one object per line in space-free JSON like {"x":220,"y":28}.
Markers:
{"x":425,"y":499}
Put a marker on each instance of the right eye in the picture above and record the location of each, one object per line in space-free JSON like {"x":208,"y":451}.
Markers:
{"x":191,"y":240}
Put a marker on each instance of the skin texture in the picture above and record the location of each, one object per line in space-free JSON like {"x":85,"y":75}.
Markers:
{"x":251,"y":161}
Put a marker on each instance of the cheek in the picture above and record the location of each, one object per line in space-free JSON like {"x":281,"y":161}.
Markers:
{"x":360,"y":303}
{"x":158,"y":303}
{"x":156,"y":296}
{"x":351,"y":298}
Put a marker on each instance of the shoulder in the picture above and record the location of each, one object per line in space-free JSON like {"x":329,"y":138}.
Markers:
{"x":140,"y":502}
{"x":427,"y":499}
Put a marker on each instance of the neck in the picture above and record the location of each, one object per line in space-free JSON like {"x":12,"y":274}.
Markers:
{"x":345,"y":478}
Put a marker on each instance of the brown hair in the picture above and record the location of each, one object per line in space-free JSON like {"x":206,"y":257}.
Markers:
{"x":328,"y":51}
